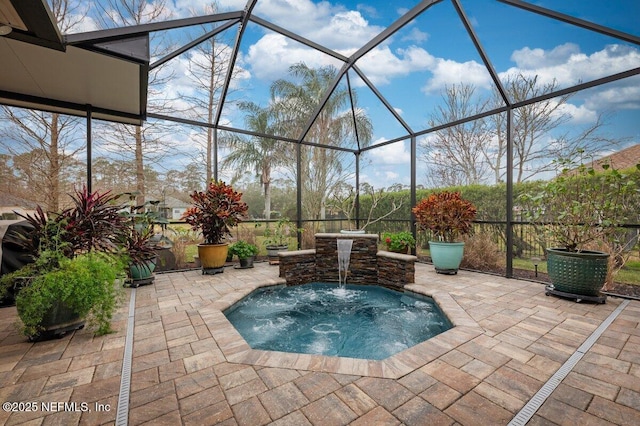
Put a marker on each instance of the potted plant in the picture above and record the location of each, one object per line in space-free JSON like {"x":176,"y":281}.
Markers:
{"x":141,"y":251}
{"x":277,"y":238}
{"x":77,"y":262}
{"x":399,"y":242}
{"x":245,"y":251}
{"x":214,"y":212}
{"x":578,"y":208}
{"x":448,"y":216}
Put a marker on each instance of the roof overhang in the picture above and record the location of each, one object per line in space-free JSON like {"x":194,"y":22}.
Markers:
{"x":106,"y":79}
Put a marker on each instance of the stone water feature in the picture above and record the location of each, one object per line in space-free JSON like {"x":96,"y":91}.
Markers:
{"x":367,"y":265}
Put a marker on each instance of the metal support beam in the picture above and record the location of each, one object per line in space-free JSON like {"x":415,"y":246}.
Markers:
{"x":323,"y":101}
{"x":299,"y":192}
{"x":573,"y":21}
{"x":298,"y":38}
{"x":125,"y":32}
{"x":391,"y":29}
{"x":481,"y":52}
{"x":214,"y":160}
{"x":412,"y":189}
{"x":353,"y":113}
{"x":382,"y":99}
{"x":89,"y":153}
{"x":357,"y":190}
{"x":509,"y":212}
{"x":194,"y":43}
{"x":234,"y":56}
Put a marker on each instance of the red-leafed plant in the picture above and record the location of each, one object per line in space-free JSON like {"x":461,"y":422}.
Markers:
{"x":446,"y":214}
{"x":215,"y":211}
{"x":93,"y":223}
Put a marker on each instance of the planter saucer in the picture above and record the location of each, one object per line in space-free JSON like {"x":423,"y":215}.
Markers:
{"x":578,"y":297}
{"x":242,"y":267}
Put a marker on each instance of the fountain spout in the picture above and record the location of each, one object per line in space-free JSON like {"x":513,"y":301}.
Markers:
{"x":344,"y":255}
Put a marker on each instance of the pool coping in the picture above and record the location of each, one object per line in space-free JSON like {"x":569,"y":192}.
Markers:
{"x":236,"y":350}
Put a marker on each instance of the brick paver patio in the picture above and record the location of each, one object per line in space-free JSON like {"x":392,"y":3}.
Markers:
{"x":189,"y":366}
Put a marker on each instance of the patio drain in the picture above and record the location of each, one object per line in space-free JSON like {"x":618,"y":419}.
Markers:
{"x":547,"y":389}
{"x":122,"y":415}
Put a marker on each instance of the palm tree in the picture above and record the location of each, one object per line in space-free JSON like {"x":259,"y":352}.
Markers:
{"x":322,"y":168}
{"x":258,"y":153}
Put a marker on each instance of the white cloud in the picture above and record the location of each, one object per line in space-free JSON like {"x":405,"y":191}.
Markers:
{"x":578,"y":114}
{"x":392,"y":154}
{"x":392,"y":176}
{"x":273,"y":54}
{"x":447,"y":72}
{"x":416,"y":36}
{"x":567,"y":65}
{"x":381,"y":65}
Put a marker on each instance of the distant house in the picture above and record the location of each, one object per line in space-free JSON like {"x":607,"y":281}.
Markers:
{"x":172,"y":206}
{"x":11,"y":203}
{"x":620,"y":160}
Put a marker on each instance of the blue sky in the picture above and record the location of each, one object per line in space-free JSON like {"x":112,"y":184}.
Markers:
{"x":412,"y":68}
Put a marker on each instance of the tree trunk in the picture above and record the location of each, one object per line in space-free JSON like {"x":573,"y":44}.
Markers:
{"x":210,"y":108}
{"x":267,"y":200}
{"x":53,"y":196}
{"x":140,"y":198}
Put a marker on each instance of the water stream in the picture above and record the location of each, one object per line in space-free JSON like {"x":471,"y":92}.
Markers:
{"x":344,"y":255}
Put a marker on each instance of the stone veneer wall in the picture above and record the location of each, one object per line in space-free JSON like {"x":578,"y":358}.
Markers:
{"x":362,"y":265}
{"x":298,"y":267}
{"x":395,"y":269}
{"x":367,"y":265}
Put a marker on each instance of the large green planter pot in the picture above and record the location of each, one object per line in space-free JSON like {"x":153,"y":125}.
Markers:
{"x":142,"y":271}
{"x":582,"y":273}
{"x":446,"y":257}
{"x":57,"y":322}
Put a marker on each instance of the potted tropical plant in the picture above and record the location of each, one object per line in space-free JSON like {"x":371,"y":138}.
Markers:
{"x":77,"y":262}
{"x":245,"y":251}
{"x":141,"y":251}
{"x":578,"y":208}
{"x":277,"y":238}
{"x":214,"y":212}
{"x":399,"y":242}
{"x":448,"y":216}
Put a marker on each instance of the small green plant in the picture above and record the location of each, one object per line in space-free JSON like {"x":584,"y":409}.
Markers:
{"x":398,"y":241}
{"x":278,"y":235}
{"x":243,"y":249}
{"x":446,"y":214}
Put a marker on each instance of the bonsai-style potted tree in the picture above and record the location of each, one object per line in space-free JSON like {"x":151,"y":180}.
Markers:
{"x":448,"y":216}
{"x":245,"y":251}
{"x":214,"y":212}
{"x":277,"y":238}
{"x":77,"y":262}
{"x":344,"y":201}
{"x":578,"y":208}
{"x":399,"y":242}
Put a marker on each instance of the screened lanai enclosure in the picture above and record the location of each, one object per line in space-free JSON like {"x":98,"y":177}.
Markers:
{"x":332,"y":114}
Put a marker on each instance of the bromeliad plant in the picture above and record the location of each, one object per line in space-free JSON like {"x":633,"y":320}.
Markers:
{"x":399,"y":241}
{"x":215,"y":211}
{"x":446,"y":214}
